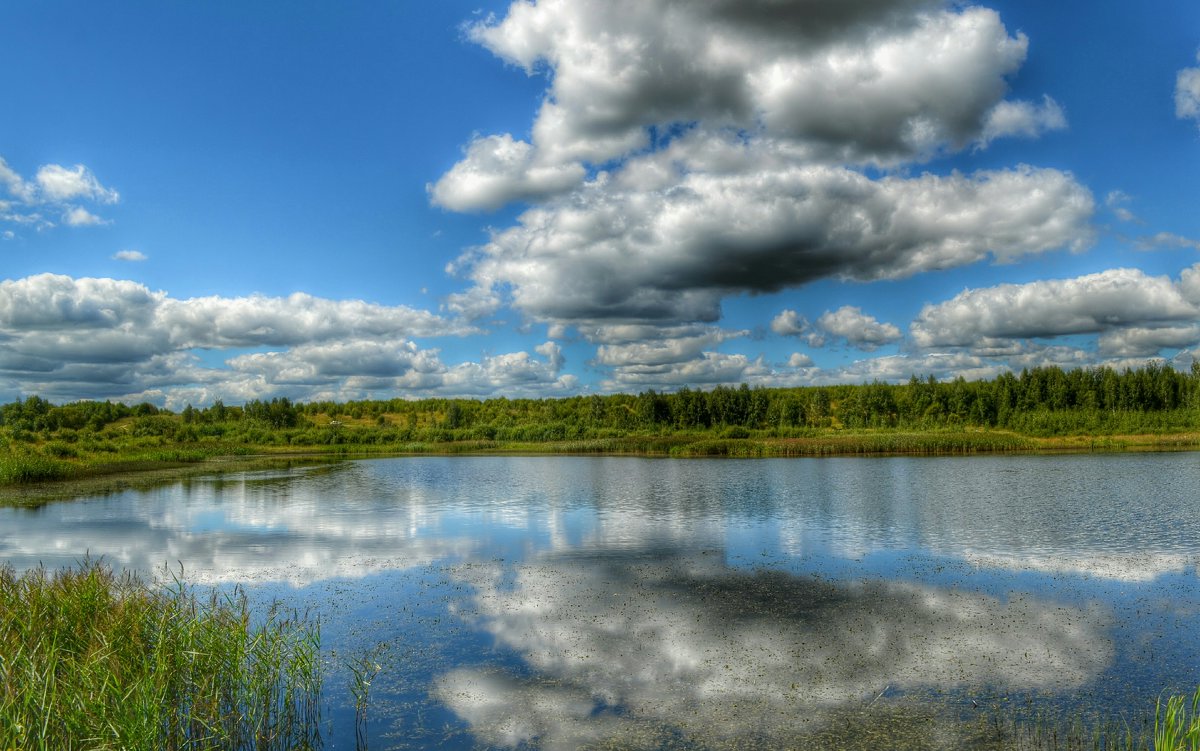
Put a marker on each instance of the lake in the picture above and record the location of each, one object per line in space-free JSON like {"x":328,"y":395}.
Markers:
{"x":562,"y":602}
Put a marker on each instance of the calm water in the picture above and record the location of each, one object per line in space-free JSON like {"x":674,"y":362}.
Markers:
{"x":557,"y":602}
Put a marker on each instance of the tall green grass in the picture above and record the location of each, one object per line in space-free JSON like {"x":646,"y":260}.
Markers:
{"x":19,"y":467}
{"x":1177,"y":724}
{"x":94,"y":660}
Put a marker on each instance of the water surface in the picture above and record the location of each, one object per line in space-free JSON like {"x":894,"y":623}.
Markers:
{"x":562,"y":602}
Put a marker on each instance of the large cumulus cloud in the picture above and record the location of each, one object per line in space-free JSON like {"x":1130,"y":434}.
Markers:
{"x":876,"y":82}
{"x":69,"y":338}
{"x":671,"y":252}
{"x":688,"y":151}
{"x":1110,"y":301}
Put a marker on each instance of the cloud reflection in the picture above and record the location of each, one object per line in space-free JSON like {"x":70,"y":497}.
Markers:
{"x":685,"y":642}
{"x":293,"y":526}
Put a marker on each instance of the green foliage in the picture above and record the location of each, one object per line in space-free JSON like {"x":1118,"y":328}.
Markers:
{"x":40,"y":441}
{"x":1177,"y":724}
{"x":93,"y":660}
{"x":24,"y":467}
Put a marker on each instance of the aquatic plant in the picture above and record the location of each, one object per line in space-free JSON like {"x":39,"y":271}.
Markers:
{"x":1177,"y":723}
{"x":362,"y":671}
{"x":90,"y":659}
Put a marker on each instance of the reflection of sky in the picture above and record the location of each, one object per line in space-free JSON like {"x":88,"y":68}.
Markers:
{"x":686,"y":642}
{"x":1121,"y":517}
{"x":296,"y":527}
{"x":615,"y":590}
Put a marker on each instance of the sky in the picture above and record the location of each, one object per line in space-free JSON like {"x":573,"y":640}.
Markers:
{"x":372,"y":200}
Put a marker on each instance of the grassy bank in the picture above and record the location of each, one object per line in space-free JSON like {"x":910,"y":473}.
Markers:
{"x":35,"y":470}
{"x":1044,"y":409}
{"x":94,"y":660}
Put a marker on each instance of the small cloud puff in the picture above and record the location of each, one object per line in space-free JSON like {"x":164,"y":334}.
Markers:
{"x":1187,"y":94}
{"x":78,"y":216}
{"x":56,"y":188}
{"x":1023,"y":119}
{"x":858,"y":329}
{"x":59,"y":183}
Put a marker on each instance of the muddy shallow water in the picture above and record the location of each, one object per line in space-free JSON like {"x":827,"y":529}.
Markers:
{"x":565,"y":602}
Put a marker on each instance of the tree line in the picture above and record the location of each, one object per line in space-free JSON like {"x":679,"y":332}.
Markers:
{"x":1046,"y":400}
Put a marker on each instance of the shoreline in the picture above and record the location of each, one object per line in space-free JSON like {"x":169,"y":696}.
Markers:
{"x":120,"y":474}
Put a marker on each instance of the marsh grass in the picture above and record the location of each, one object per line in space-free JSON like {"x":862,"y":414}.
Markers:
{"x":1177,"y":724}
{"x":90,"y":659}
{"x":362,"y":670}
{"x":1176,"y":727}
{"x":18,"y":468}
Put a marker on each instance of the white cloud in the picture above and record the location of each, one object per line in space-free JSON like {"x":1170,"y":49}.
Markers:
{"x":298,"y":318}
{"x":1138,"y":341}
{"x":767,"y":224}
{"x":474,"y":304}
{"x":639,"y":357}
{"x":58,"y":183}
{"x":514,"y":374}
{"x":706,"y":369}
{"x":1115,"y":201}
{"x":1023,"y":119}
{"x":51,"y":302}
{"x":129,"y":255}
{"x":789,"y":323}
{"x":78,"y":216}
{"x":858,"y":329}
{"x":662,"y":351}
{"x":55,"y":188}
{"x":799,"y":360}
{"x":497,"y":170}
{"x":1088,"y":304}
{"x":79,"y":338}
{"x":66,"y":338}
{"x":553,"y":354}
{"x":874,"y":82}
{"x":687,"y":152}
{"x":328,"y":362}
{"x":1187,"y":94}
{"x":898,"y":368}
{"x":14,"y":183}
{"x":1166,"y":240}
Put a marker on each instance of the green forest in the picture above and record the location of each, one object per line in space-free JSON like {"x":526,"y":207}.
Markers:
{"x":1025,"y":411}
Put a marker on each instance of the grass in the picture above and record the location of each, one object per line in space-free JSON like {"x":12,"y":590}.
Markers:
{"x":362,"y":670}
{"x":17,"y":468}
{"x":94,"y":660}
{"x":1177,"y":724}
{"x":67,"y":458}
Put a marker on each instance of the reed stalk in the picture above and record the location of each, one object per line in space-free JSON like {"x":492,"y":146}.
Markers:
{"x":90,"y":659}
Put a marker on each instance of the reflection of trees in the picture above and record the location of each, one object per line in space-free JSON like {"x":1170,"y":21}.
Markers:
{"x":687,"y":643}
{"x":295,"y":527}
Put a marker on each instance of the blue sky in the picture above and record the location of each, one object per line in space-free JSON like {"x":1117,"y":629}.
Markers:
{"x":369,"y":200}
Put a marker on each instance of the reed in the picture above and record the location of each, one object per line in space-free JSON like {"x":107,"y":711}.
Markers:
{"x":19,"y":468}
{"x":1177,"y":723}
{"x":1176,"y":728}
{"x":362,"y":670}
{"x":94,"y":660}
